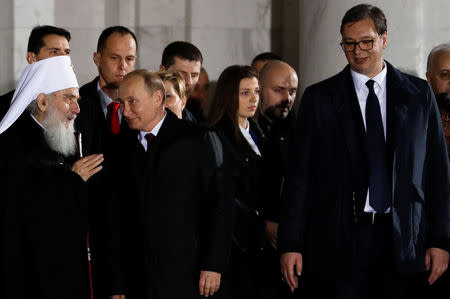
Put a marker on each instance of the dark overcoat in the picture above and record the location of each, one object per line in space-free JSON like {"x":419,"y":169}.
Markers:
{"x":174,"y":211}
{"x":328,"y":178}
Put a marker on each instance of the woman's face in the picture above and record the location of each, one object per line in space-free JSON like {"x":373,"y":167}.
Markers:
{"x":248,"y":97}
{"x":173,"y":100}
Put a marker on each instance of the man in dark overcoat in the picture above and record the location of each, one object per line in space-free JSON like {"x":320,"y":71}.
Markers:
{"x":366,"y":213}
{"x":174,"y":199}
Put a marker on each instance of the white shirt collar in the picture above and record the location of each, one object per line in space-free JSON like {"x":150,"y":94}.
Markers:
{"x":154,"y":131}
{"x":247,"y":130}
{"x":249,"y":138}
{"x":359,"y":80}
{"x":105,"y":100}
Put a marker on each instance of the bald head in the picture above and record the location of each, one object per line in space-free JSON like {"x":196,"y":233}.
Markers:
{"x":279,"y":83}
{"x":438,"y":69}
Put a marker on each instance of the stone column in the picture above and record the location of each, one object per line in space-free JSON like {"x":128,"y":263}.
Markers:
{"x":414,"y":27}
{"x":7,"y":46}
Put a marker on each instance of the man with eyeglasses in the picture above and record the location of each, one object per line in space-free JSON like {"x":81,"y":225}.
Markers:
{"x":366,"y":209}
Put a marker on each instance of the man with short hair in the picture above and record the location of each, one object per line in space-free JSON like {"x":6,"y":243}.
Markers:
{"x":100,"y":116}
{"x":44,"y":42}
{"x":438,"y":69}
{"x":198,"y":99}
{"x":100,"y":122}
{"x":44,"y":217}
{"x":175,"y":199}
{"x":438,"y":75}
{"x":260,"y":60}
{"x":187,"y":59}
{"x":366,"y":209}
{"x":279,"y":83}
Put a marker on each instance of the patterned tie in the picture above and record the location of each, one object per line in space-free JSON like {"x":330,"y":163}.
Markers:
{"x":113,"y":117}
{"x":379,"y":191}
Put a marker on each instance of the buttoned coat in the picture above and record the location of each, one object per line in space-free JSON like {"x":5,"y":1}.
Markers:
{"x":328,"y":177}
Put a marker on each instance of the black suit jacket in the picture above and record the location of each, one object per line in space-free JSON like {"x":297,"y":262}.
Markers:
{"x":96,"y":139}
{"x":327,"y":180}
{"x":175,"y":206}
{"x":91,"y":121}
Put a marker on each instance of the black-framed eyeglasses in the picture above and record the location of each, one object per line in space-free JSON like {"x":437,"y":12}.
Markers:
{"x":364,"y":45}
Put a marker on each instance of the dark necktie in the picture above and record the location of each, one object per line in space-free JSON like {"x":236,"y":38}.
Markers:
{"x":379,"y":191}
{"x":113,"y":117}
{"x":149,"y":138}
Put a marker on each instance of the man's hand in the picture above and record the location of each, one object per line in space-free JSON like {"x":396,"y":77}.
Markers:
{"x":437,"y":259}
{"x":88,"y":166}
{"x":272,"y":233}
{"x":288,"y":262}
{"x":209,"y":283}
{"x":117,"y":297}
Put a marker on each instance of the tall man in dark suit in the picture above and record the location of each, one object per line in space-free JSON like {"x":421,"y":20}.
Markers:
{"x":44,"y":42}
{"x":99,"y":123}
{"x":367,"y":202}
{"x":438,"y":75}
{"x":279,"y":83}
{"x":175,"y":199}
{"x":100,"y":116}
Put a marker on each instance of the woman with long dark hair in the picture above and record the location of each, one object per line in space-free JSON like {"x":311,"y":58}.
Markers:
{"x":230,"y":114}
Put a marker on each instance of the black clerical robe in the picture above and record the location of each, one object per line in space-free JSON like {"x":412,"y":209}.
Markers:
{"x":43,"y":219}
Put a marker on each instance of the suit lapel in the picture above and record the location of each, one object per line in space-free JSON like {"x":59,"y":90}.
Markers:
{"x":349,"y":114}
{"x":397,"y":102}
{"x":167,"y":133}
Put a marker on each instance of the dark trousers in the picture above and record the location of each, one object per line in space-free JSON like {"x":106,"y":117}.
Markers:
{"x":371,"y":273}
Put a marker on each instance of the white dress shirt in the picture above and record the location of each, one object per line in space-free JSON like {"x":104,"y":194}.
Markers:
{"x":248,"y":137}
{"x":105,"y":100}
{"x":362,"y":91}
{"x":154,"y":131}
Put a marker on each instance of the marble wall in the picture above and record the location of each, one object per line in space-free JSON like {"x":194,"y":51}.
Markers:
{"x":414,"y":28}
{"x":227,"y":32}
{"x":304,"y":32}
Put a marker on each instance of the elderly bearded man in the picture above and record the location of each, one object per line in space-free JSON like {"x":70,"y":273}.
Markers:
{"x":43,"y":215}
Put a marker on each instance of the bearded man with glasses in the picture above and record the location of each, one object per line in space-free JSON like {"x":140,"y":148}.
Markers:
{"x":367,"y":195}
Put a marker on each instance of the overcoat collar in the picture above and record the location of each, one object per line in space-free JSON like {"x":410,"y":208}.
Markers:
{"x":398,"y":95}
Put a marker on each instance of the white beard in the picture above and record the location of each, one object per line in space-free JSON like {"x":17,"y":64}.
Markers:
{"x":58,"y":137}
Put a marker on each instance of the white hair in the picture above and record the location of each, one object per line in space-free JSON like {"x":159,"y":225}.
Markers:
{"x":444,"y":48}
{"x":58,"y":137}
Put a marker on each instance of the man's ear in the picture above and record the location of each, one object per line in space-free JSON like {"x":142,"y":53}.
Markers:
{"x":158,"y":96}
{"x":42,"y":102}
{"x":162,"y":68}
{"x":31,"y":57}
{"x":428,"y":77}
{"x":384,"y":39}
{"x":97,"y":56}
